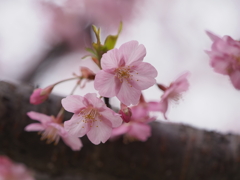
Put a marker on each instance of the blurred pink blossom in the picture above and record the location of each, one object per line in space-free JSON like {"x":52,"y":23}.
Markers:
{"x":123,"y":73}
{"x":173,"y":92}
{"x":52,"y":130}
{"x":13,"y":171}
{"x":109,"y":13}
{"x":91,"y":117}
{"x":137,"y":128}
{"x":71,"y":21}
{"x":65,"y":25}
{"x":225,"y":57}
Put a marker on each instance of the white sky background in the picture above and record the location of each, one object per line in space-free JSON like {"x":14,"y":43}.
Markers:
{"x":173,"y":32}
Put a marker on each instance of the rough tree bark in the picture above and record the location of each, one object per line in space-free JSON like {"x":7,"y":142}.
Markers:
{"x":173,"y":152}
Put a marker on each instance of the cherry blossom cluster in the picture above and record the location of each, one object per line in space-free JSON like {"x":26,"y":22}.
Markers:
{"x":225,"y":57}
{"x":123,"y":75}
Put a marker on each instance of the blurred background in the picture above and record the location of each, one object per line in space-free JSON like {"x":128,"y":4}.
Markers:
{"x":42,"y":42}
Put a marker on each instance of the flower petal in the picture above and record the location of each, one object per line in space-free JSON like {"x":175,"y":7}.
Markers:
{"x":221,"y":64}
{"x":212,"y":36}
{"x":128,"y":95}
{"x":94,"y":100}
{"x":154,"y":106}
{"x":163,"y":106}
{"x":139,"y":112}
{"x":76,"y":126}
{"x":106,"y":84}
{"x":100,"y":131}
{"x":43,"y":118}
{"x":73,"y":142}
{"x":182,"y":84}
{"x":34,"y":127}
{"x":124,"y":128}
{"x":132,"y":52}
{"x":113,"y":117}
{"x":143,"y":76}
{"x":110,"y":59}
{"x":73,"y":103}
{"x":235,"y":78}
{"x":140,"y":131}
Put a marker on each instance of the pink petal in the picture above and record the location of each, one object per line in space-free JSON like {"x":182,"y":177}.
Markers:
{"x":124,"y":128}
{"x":235,"y":78}
{"x":34,"y":127}
{"x":100,"y":132}
{"x":76,"y":127}
{"x":226,"y":45}
{"x":221,"y":64}
{"x":132,"y":52}
{"x":57,"y":126}
{"x":73,"y":103}
{"x":113,"y":117}
{"x":154,"y":106}
{"x":143,"y":76}
{"x":73,"y":142}
{"x":94,"y":100}
{"x":128,"y":95}
{"x":139,"y":112}
{"x":163,"y":106}
{"x":140,"y":131}
{"x":106,"y":84}
{"x":212,"y":36}
{"x":39,"y":117}
{"x":110,"y":59}
{"x":181,"y":84}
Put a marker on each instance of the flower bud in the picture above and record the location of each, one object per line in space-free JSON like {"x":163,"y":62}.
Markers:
{"x":40,"y":95}
{"x":87,"y":73}
{"x":125,"y":112}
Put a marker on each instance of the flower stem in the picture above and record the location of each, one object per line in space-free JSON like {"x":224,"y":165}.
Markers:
{"x":79,"y":77}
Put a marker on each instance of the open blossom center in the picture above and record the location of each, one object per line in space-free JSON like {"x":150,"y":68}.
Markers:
{"x":51,"y":134}
{"x":89,"y":115}
{"x":237,"y":58}
{"x":123,"y":73}
{"x":175,"y":97}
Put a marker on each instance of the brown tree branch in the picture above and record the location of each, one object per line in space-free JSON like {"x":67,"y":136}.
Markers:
{"x":173,"y":152}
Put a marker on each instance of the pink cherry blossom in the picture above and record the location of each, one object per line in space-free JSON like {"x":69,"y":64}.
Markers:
{"x":225,"y":57}
{"x":173,"y":92}
{"x":137,"y":128}
{"x":91,"y":117}
{"x":40,"y":95}
{"x":124,"y":74}
{"x":13,"y":171}
{"x":52,"y":130}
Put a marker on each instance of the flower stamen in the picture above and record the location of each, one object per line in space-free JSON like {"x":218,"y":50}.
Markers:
{"x":51,"y":135}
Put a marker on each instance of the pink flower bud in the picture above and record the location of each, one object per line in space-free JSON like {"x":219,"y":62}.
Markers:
{"x":125,"y":112}
{"x":40,"y":95}
{"x":87,"y":73}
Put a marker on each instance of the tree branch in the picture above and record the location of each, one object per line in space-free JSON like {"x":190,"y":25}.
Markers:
{"x":173,"y":152}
